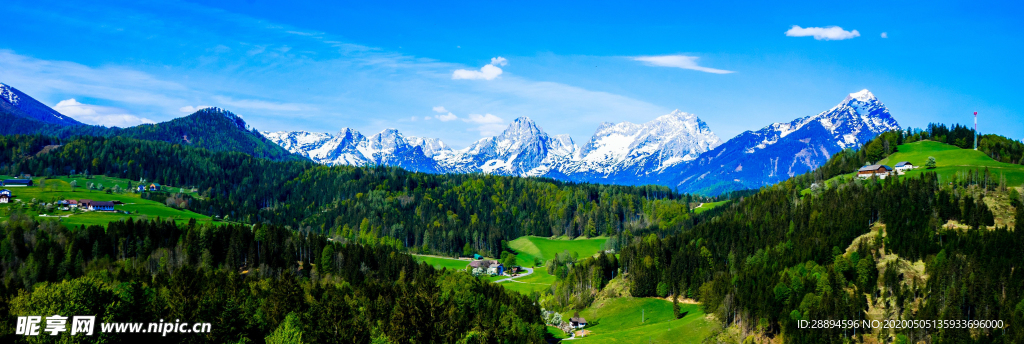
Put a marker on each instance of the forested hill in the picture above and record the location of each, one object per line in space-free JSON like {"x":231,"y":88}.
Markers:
{"x":426,"y":212}
{"x":815,"y":247}
{"x":211,"y":128}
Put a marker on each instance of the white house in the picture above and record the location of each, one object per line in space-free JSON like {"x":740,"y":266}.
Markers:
{"x":904,"y":166}
{"x":5,"y":199}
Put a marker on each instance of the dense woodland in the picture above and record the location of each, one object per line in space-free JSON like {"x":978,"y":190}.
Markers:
{"x":426,"y":212}
{"x":246,"y":281}
{"x":802,"y":249}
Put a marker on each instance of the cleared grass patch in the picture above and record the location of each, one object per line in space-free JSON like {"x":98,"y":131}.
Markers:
{"x":632,"y":320}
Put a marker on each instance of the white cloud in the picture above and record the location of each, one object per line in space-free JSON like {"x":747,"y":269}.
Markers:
{"x":678,"y":61}
{"x":499,"y":61}
{"x":426,"y":118}
{"x":831,"y":33}
{"x":448,"y":117}
{"x":440,"y":109}
{"x":191,"y":109}
{"x":262,"y":104}
{"x":99,"y":115}
{"x":489,"y":125}
{"x":488,"y":72}
{"x":885,"y":35}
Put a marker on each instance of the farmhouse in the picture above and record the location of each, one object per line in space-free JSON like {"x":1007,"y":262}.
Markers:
{"x":154,"y":187}
{"x":101,"y":206}
{"x":5,"y":199}
{"x":577,"y":321}
{"x":904,"y":166}
{"x":5,"y":192}
{"x":880,"y":171}
{"x":17,"y":182}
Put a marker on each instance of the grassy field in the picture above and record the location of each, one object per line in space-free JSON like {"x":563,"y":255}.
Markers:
{"x":531,"y":247}
{"x":950,"y":160}
{"x":708,"y":206}
{"x":440,"y":262}
{"x":59,"y":188}
{"x":633,"y":320}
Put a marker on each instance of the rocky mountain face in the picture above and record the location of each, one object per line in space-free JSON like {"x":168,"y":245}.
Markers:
{"x":774,"y":153}
{"x":18,"y":104}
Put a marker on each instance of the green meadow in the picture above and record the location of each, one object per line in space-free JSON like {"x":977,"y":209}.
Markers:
{"x":50,"y":190}
{"x":443,"y":263}
{"x":530,"y":247}
{"x":647,"y":320}
{"x":951,"y":160}
{"x":708,"y":206}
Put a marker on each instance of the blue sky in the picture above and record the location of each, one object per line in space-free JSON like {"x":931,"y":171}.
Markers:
{"x":569,"y":66}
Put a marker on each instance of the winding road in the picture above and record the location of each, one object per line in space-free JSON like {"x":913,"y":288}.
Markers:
{"x":528,"y":272}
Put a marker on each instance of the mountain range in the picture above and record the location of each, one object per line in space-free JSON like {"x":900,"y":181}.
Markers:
{"x":677,"y":149}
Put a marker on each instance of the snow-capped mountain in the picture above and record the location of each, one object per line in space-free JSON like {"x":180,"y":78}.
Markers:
{"x":349,"y":147}
{"x":677,"y":149}
{"x":21,"y":105}
{"x":616,"y":151}
{"x":774,"y":153}
{"x":627,"y":150}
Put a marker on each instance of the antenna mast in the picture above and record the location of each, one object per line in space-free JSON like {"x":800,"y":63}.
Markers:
{"x":975,"y":130}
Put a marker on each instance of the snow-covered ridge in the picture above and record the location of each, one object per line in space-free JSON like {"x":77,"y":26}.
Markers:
{"x":673,"y":149}
{"x":523,"y":149}
{"x":8,"y":95}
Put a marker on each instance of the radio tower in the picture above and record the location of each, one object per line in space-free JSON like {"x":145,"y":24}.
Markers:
{"x":975,"y":130}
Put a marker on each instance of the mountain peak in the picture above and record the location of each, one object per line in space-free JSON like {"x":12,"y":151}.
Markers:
{"x":863,"y":96}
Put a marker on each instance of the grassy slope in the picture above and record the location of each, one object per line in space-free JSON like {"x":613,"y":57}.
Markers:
{"x":60,"y":188}
{"x":949,"y":160}
{"x":531,"y":247}
{"x":618,"y":320}
{"x":439,"y":262}
{"x":708,"y":206}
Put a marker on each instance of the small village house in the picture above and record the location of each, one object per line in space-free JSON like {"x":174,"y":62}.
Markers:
{"x":880,"y":171}
{"x":84,"y":204}
{"x":904,"y":166}
{"x":577,"y":321}
{"x":5,"y":192}
{"x":154,"y":187}
{"x":5,"y":199}
{"x":17,"y":182}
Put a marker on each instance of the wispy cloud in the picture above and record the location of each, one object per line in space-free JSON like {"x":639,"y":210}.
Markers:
{"x":440,"y":109}
{"x":679,"y":61}
{"x":99,"y":115}
{"x":885,"y":35}
{"x":487,"y":124}
{"x":488,"y":72}
{"x":192,"y":109}
{"x":262,"y":104}
{"x":831,"y":33}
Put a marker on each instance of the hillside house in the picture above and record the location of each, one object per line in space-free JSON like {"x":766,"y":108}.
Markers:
{"x":72,"y":203}
{"x":481,"y":264}
{"x":84,"y":204}
{"x":141,"y":188}
{"x":577,"y":321}
{"x":904,"y":166}
{"x":5,"y":199}
{"x":101,"y":206}
{"x":5,"y":192}
{"x":496,"y":269}
{"x":16,"y":182}
{"x":154,"y":187}
{"x":880,"y":171}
